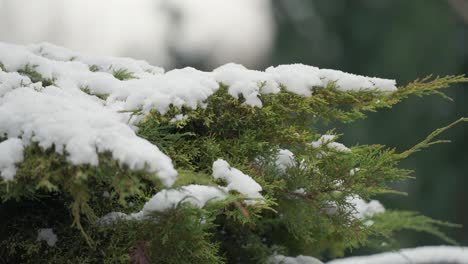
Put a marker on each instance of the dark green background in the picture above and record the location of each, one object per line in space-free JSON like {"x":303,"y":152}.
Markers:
{"x":402,"y":40}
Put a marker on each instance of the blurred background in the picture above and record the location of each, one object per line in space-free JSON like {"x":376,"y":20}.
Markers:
{"x":397,"y":39}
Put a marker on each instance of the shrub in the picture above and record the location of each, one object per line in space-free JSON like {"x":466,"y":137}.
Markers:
{"x":108,"y":160}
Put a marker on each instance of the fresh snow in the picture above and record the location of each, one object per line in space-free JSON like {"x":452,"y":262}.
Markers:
{"x":237,"y":180}
{"x":81,"y":126}
{"x":280,"y":259}
{"x":284,"y":159}
{"x":365,"y":209}
{"x":328,"y":141}
{"x":360,"y":209}
{"x":11,"y":80}
{"x":420,"y":255}
{"x":11,"y":152}
{"x":179,"y":87}
{"x":47,"y":235}
{"x":197,"y":195}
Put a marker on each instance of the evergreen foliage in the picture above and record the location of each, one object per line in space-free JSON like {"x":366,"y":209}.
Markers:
{"x":318,"y":221}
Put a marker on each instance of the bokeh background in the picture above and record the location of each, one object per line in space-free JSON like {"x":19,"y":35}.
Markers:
{"x":397,"y":39}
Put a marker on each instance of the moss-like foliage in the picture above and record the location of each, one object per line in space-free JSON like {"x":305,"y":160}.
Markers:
{"x":48,"y":191}
{"x":29,"y":71}
{"x":122,"y":74}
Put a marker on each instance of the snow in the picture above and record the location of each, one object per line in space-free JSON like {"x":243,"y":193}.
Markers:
{"x":11,"y":152}
{"x":47,"y":235}
{"x":81,"y":126}
{"x":187,"y":86}
{"x":360,"y":209}
{"x":353,"y":172}
{"x":280,"y":259}
{"x":300,"y":191}
{"x":420,"y":255}
{"x":328,"y":141}
{"x":284,"y":159}
{"x":298,"y":78}
{"x":197,"y":195}
{"x":11,"y":80}
{"x":365,"y":209}
{"x":178,"y":117}
{"x":237,"y":180}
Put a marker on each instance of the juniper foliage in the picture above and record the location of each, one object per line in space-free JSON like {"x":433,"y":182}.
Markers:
{"x":49,"y":191}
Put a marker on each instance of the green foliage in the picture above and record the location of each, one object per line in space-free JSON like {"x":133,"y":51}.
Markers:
{"x":49,"y":191}
{"x":94,"y":68}
{"x":122,"y":74}
{"x":30,"y":71}
{"x":98,"y":95}
{"x":386,"y":224}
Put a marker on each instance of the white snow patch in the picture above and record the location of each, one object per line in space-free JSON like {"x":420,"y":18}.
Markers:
{"x":353,"y":172}
{"x":237,"y":180}
{"x":280,"y":259}
{"x":178,"y":117}
{"x":197,"y":195}
{"x":284,"y":159}
{"x":187,"y":86}
{"x":365,"y":209}
{"x":79,"y":127}
{"x":11,"y":80}
{"x":47,"y":235}
{"x":11,"y":152}
{"x":300,"y":191}
{"x":328,"y":141}
{"x":420,"y":255}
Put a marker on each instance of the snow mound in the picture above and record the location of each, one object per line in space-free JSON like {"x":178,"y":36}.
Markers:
{"x":280,"y":259}
{"x":420,"y":255}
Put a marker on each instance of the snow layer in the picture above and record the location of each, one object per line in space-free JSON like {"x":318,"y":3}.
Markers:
{"x":81,"y":126}
{"x":47,"y":235}
{"x":237,"y":180}
{"x":361,"y":210}
{"x":328,"y":141}
{"x":177,"y":87}
{"x":284,"y":159}
{"x":11,"y":80}
{"x":11,"y":152}
{"x":365,"y":209}
{"x":197,"y":195}
{"x":421,"y":255}
{"x":280,"y":259}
